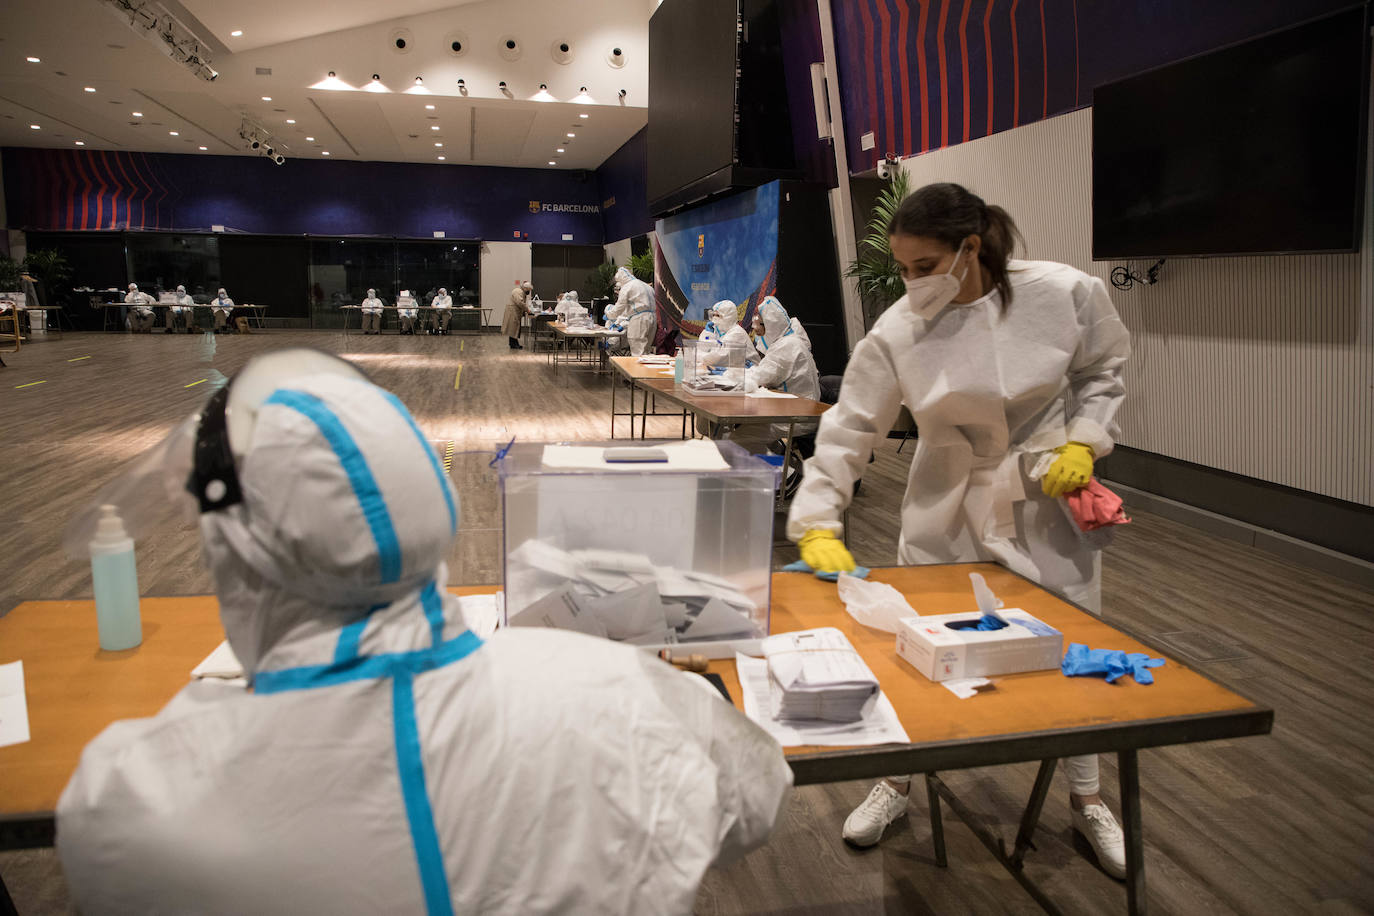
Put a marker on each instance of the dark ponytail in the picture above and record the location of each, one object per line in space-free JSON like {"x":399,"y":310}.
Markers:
{"x":951,"y":213}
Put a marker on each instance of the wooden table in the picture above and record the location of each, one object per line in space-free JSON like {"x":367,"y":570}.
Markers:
{"x":483,"y":311}
{"x":645,"y":378}
{"x":75,"y":690}
{"x":565,"y":337}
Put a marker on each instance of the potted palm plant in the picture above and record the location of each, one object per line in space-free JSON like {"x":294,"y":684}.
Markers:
{"x":879,"y":278}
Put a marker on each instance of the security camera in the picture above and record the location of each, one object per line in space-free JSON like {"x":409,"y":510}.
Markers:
{"x":887,"y":167}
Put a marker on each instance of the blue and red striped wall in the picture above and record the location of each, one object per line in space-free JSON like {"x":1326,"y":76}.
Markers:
{"x":926,"y":74}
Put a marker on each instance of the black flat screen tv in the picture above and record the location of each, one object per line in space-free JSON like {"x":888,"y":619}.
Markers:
{"x":1258,"y":148}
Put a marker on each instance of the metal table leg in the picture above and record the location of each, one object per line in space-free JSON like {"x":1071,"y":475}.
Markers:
{"x":1032,"y":814}
{"x":937,"y":822}
{"x":1129,"y":767}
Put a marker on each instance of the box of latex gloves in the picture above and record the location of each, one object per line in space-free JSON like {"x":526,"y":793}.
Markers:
{"x":947,"y":646}
{"x":660,"y":545}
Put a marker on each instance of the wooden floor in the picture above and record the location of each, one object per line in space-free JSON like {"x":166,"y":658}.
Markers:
{"x":1278,"y":824}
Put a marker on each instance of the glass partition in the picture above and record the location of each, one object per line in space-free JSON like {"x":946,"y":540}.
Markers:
{"x":162,"y":261}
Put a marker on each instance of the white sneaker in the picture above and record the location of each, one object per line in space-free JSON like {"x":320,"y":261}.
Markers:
{"x":1096,"y":823}
{"x":866,"y":823}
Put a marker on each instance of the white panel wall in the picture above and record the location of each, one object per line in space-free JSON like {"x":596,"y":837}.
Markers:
{"x":620,"y":251}
{"x":503,"y":264}
{"x":1263,"y":366}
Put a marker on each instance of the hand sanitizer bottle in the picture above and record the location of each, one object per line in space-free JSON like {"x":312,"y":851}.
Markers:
{"x":115,"y":578}
{"x":678,"y":368}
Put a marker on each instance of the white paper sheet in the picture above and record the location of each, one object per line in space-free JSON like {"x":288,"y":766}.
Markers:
{"x":880,"y":726}
{"x":559,"y":609}
{"x":482,"y":613}
{"x":14,"y":707}
{"x":692,"y":455}
{"x":633,"y":612}
{"x":765,"y":393}
{"x":718,"y":619}
{"x":965,"y":687}
{"x":221,"y":663}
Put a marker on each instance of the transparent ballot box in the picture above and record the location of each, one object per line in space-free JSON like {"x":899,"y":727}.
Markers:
{"x":660,"y":545}
{"x":711,"y":368}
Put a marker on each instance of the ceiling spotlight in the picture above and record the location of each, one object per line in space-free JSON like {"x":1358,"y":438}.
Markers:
{"x":33,"y":60}
{"x":290,"y":120}
{"x":622,"y":93}
{"x":203,"y":148}
{"x":560,"y":150}
{"x":551,"y":162}
{"x":309,"y":139}
{"x":324,"y":152}
{"x":267,"y":98}
{"x":83,"y":143}
{"x":376,"y":77}
{"x":441,"y":158}
{"x":34,"y":127}
{"x":502,"y":85}
{"x":438,"y":144}
{"x":331,"y":74}
{"x":431,"y":107}
{"x":237,"y":33}
{"x":173,"y":133}
{"x":419,"y":81}
{"x":434,"y":127}
{"x":543,"y":86}
{"x":137,"y":114}
{"x":584,"y":116}
{"x":582,"y":90}
{"x":376,"y":85}
{"x":331,"y":81}
{"x":270,"y":152}
{"x":279,"y":159}
{"x":90,"y":89}
{"x":461,"y":84}
{"x":571,"y":135}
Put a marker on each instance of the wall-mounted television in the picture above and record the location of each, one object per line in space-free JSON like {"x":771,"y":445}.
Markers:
{"x":1257,"y":148}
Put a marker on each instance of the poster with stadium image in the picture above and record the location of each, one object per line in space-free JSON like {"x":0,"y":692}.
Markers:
{"x":726,"y":249}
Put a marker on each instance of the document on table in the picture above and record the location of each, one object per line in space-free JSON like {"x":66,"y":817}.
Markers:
{"x":692,"y":455}
{"x":220,"y":664}
{"x":765,"y":393}
{"x":14,"y":709}
{"x":880,"y":726}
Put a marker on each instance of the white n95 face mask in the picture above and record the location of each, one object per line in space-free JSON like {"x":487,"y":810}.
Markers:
{"x":926,"y":296}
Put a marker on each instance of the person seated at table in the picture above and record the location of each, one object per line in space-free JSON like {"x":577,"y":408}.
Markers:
{"x":442,"y":303}
{"x":723,"y":328}
{"x":181,"y":314}
{"x":372,"y":313}
{"x":387,"y":758}
{"x":222,"y":307}
{"x":1001,"y":362}
{"x":406,"y":311}
{"x":787,"y":366}
{"x":516,"y":307}
{"x":141,"y":317}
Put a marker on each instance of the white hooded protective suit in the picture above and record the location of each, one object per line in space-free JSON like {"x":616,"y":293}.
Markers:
{"x":634,"y":307}
{"x":388,"y":760}
{"x":372,"y":305}
{"x":184,"y":301}
{"x":786,"y":364}
{"x":442,"y":300}
{"x":990,"y":389}
{"x":723,"y":328}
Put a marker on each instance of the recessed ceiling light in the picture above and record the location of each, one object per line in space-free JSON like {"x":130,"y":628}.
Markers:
{"x":204,"y":147}
{"x":309,"y":139}
{"x":174,"y":133}
{"x":324,"y":152}
{"x":80,"y":142}
{"x":584,"y":116}
{"x":441,"y":158}
{"x":429,"y":107}
{"x":438,"y":144}
{"x":551,"y":162}
{"x":90,"y":89}
{"x":434,"y":127}
{"x":236,"y":33}
{"x":137,"y":114}
{"x":33,"y":127}
{"x":559,"y":150}
{"x":290,"y":120}
{"x":33,"y":60}
{"x":267,"y":98}
{"x":572,"y":135}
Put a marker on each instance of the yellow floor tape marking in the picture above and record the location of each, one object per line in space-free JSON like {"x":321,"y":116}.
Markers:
{"x":78,"y":359}
{"x":30,"y":384}
{"x":448,"y":457}
{"x":194,"y":384}
{"x":456,"y":376}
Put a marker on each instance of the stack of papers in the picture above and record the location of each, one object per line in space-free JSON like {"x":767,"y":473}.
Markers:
{"x":691,"y":455}
{"x":817,"y":674}
{"x":624,"y":596}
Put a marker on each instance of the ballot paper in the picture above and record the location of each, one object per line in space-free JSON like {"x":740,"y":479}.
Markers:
{"x":765,"y":393}
{"x":817,"y":674}
{"x":692,"y":455}
{"x":14,"y":708}
{"x":879,"y":726}
{"x":221,"y":664}
{"x":965,"y":687}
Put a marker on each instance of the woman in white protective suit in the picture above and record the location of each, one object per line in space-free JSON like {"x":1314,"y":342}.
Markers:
{"x":182,"y":313}
{"x":222,"y":307}
{"x":372,"y":313}
{"x":1000,"y":362}
{"x":723,"y":327}
{"x":634,"y":308}
{"x":785,"y":365}
{"x":388,"y":759}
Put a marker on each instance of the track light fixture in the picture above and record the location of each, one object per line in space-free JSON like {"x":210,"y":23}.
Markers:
{"x":172,"y":37}
{"x":260,"y":140}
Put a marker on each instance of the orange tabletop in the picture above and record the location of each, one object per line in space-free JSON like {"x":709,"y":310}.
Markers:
{"x":74,"y":689}
{"x":633,"y":369}
{"x":740,"y":408}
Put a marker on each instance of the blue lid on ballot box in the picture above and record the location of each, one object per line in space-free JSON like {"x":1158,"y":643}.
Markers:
{"x":656,"y":544}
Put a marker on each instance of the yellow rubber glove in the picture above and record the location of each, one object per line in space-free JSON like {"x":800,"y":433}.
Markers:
{"x":1071,"y":470}
{"x":824,"y":552}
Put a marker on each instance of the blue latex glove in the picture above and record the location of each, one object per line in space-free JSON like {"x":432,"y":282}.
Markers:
{"x":858,"y":572}
{"x":986,"y":622}
{"x":1080,"y":661}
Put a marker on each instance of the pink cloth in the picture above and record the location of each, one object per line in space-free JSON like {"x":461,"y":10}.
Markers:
{"x":1094,"y":506}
